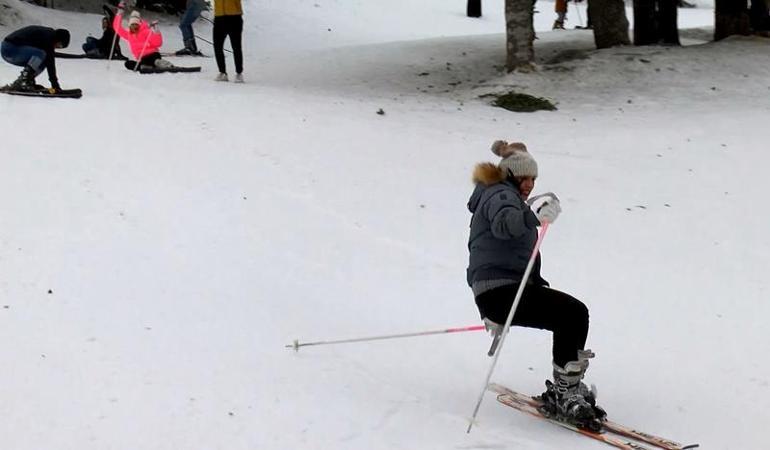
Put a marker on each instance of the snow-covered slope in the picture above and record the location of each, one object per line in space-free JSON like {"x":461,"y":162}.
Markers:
{"x":163,"y":238}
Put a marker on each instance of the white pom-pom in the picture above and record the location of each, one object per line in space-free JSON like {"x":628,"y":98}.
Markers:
{"x":498,"y":147}
{"x":504,"y":149}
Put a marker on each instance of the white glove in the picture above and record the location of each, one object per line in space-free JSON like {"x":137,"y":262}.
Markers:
{"x":548,"y":211}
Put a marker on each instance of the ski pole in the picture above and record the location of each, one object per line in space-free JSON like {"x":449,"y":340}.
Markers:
{"x":508,"y":321}
{"x":141,"y":54}
{"x":296,"y":344}
{"x":114,"y":38}
{"x":112,"y":49}
{"x":211,"y":43}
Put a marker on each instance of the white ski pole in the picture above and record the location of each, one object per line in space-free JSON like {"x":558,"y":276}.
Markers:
{"x":296,"y":344}
{"x":508,"y":321}
{"x":114,"y":39}
{"x":141,"y":54}
{"x":112,"y":48}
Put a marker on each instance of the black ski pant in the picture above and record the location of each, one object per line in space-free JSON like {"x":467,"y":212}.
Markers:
{"x":544,"y":308}
{"x":232,"y":27}
{"x":148,"y":60}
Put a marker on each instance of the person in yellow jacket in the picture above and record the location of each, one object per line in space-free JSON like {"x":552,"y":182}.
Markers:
{"x":228,"y":22}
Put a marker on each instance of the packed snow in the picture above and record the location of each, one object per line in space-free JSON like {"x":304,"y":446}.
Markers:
{"x":165,"y":237}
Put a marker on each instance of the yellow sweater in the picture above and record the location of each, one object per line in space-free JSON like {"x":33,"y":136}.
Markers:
{"x":227,"y":8}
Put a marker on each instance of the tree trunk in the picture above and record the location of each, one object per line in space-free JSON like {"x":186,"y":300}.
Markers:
{"x":759,"y":15}
{"x":520,"y":34}
{"x":645,"y":23}
{"x":667,"y":21}
{"x":730,"y":17}
{"x":474,"y":8}
{"x":610,"y":23}
{"x":655,"y":22}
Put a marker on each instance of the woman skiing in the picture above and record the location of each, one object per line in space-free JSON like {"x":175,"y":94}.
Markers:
{"x":503,"y":233}
{"x":143,"y":40}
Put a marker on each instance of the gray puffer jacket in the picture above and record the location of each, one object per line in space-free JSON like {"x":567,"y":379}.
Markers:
{"x":503,"y":230}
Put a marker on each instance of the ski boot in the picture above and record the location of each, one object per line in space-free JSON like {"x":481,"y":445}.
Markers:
{"x":569,"y":400}
{"x":25,"y":82}
{"x":161,"y":63}
{"x":558,"y":24}
{"x":190,"y":49}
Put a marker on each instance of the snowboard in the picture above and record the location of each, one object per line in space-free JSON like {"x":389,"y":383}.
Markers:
{"x":64,"y":93}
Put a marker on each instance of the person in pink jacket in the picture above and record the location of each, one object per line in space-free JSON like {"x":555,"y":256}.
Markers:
{"x":143,"y":40}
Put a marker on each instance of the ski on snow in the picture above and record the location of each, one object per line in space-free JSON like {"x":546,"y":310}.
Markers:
{"x":63,"y":93}
{"x":173,"y":69}
{"x":612,"y":433}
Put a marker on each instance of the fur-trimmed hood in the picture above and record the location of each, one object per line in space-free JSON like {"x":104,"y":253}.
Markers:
{"x":503,"y":229}
{"x":486,"y":175}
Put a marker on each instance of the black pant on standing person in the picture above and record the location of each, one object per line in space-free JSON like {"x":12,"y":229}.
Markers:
{"x":232,"y":27}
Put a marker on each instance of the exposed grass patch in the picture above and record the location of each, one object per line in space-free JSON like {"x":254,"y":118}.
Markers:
{"x":567,"y":56}
{"x":518,"y":102}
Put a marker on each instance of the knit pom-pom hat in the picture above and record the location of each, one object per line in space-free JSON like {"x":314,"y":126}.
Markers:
{"x":136,"y":18}
{"x":516,"y":159}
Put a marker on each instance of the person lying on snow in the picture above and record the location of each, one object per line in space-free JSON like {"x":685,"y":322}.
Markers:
{"x":144,"y":40}
{"x":33,"y":48}
{"x":100,"y":48}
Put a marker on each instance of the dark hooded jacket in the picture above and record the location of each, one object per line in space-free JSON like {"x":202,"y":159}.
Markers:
{"x":107,"y":40}
{"x":503,"y":230}
{"x":45,"y":39}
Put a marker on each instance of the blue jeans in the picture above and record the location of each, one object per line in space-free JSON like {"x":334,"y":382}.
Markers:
{"x":188,"y":18}
{"x":91,"y":45}
{"x":23,"y":55}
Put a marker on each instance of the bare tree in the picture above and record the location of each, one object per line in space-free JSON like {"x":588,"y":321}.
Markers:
{"x":655,"y":22}
{"x":668,"y":28}
{"x":759,"y":15}
{"x":520,"y":33}
{"x":610,"y":23}
{"x":730,"y":17}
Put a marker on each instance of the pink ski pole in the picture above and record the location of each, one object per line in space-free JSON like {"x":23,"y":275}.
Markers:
{"x":296,"y":344}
